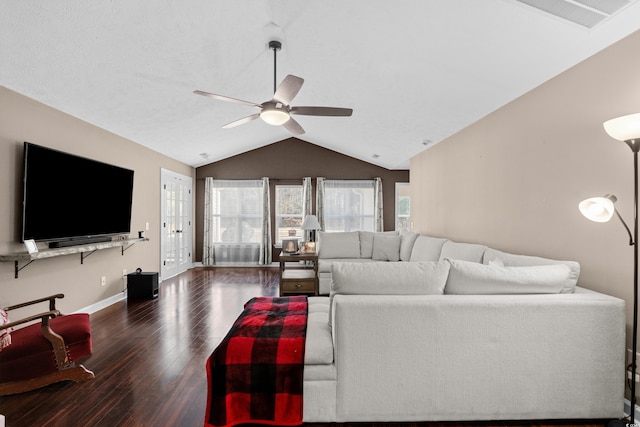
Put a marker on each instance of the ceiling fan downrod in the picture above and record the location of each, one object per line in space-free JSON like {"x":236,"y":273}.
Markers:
{"x":276,"y":46}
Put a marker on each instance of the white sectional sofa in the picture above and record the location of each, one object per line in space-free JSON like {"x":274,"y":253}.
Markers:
{"x":460,"y":332}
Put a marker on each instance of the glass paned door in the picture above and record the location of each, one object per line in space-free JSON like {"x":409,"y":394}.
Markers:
{"x":176,"y":223}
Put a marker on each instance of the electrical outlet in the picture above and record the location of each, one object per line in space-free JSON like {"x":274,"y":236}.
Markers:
{"x":146,"y":226}
{"x":103,"y":281}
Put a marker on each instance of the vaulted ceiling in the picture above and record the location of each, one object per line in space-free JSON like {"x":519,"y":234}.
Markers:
{"x":414,"y":71}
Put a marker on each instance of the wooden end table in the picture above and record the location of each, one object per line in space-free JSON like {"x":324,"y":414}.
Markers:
{"x":301,"y":279}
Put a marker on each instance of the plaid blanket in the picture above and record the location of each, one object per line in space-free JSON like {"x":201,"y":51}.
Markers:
{"x":255,"y":375}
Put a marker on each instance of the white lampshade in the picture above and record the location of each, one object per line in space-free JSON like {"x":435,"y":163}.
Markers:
{"x":624,"y":128}
{"x":598,"y":209}
{"x":310,"y":223}
{"x":274,"y":117}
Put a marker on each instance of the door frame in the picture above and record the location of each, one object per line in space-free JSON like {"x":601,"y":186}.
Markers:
{"x":165,"y":176}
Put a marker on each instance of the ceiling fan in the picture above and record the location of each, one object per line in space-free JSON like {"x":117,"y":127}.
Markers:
{"x":278,"y":111}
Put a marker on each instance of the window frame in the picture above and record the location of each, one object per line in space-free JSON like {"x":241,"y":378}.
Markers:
{"x":398,"y":195}
{"x":277,"y":216}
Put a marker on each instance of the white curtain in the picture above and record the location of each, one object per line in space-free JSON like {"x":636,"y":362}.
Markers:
{"x":378,"y":205}
{"x":306,"y":203}
{"x":208,"y":253}
{"x":265,"y":244}
{"x":233,"y":222}
{"x":320,"y":201}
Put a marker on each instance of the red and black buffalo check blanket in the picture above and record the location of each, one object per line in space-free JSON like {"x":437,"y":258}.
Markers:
{"x":255,"y":375}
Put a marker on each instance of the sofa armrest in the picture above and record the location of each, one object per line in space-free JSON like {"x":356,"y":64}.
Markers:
{"x":479,"y":357}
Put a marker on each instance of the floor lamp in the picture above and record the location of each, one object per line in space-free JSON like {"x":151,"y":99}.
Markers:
{"x":602,"y":209}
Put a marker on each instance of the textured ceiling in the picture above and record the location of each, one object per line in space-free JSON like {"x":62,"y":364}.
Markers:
{"x":412,"y":70}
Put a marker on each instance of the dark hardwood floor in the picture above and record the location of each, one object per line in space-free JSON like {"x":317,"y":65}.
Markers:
{"x":149,"y":358}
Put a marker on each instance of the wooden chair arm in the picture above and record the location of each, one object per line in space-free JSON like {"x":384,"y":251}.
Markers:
{"x":57,"y":342}
{"x":51,"y":299}
{"x":43,"y":316}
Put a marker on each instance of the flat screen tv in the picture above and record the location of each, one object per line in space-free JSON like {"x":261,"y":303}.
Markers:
{"x":68,"y":199}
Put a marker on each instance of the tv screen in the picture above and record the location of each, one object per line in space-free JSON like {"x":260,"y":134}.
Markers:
{"x":67,"y":197}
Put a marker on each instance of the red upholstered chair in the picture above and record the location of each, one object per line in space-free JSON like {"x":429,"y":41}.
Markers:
{"x":45,"y":352}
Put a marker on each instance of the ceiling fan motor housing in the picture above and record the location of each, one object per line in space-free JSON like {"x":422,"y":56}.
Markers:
{"x":275,"y":45}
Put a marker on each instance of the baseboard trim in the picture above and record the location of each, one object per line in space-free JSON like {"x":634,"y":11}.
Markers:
{"x":103,"y":304}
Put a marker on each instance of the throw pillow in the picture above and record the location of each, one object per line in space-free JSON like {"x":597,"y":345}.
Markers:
{"x":427,"y":248}
{"x":386,"y":248}
{"x":366,"y":241}
{"x":464,"y":251}
{"x":407,"y":240}
{"x":512,"y":260}
{"x":472,"y":278}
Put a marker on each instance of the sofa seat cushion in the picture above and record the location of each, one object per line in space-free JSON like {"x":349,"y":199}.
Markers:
{"x":319,"y":345}
{"x":324,"y":265}
{"x":512,"y":260}
{"x":339,"y":245}
{"x":472,"y":278}
{"x":30,"y":354}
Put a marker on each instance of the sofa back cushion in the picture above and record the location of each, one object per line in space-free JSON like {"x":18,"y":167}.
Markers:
{"x":427,"y":249}
{"x":512,"y":260}
{"x":339,"y":245}
{"x":407,"y":240}
{"x":464,"y":251}
{"x":472,"y":278}
{"x":366,"y":241}
{"x":387,"y":278}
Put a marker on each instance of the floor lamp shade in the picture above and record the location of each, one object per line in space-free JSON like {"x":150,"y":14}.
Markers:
{"x":598,"y":209}
{"x":624,"y":128}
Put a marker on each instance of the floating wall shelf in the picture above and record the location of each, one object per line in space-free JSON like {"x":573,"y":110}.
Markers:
{"x":83,"y":250}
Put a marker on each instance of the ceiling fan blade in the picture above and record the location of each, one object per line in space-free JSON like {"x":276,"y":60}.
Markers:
{"x":226,"y":98}
{"x":322,"y":111}
{"x":241,"y":121}
{"x":288,"y":89}
{"x":293,"y":127}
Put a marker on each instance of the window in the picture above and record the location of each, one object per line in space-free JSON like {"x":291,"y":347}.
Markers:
{"x":237,"y":211}
{"x":233,"y":233}
{"x":349,"y":205}
{"x":403,"y":206}
{"x":288,"y":212}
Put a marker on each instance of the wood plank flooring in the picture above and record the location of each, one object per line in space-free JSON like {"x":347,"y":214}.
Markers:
{"x":149,"y":359}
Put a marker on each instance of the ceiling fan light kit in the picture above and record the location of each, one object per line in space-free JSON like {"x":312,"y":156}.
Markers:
{"x":277,"y":111}
{"x":275,"y":114}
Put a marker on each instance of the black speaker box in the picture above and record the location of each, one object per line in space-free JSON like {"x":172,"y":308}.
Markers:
{"x":142,"y":285}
